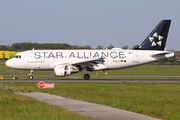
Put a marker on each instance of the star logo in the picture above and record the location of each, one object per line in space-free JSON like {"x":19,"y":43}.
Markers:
{"x":156,"y":40}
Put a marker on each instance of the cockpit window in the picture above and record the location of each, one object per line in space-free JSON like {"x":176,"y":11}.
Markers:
{"x":17,"y":56}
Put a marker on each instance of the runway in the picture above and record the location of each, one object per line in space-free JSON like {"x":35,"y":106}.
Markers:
{"x":95,"y":81}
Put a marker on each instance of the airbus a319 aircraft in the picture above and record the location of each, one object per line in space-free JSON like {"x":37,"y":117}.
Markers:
{"x":66,"y":62}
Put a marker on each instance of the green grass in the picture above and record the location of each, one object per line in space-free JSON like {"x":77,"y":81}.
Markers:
{"x":2,"y":60}
{"x":4,"y":70}
{"x":155,"y":99}
{"x":160,"y":100}
{"x":147,"y":70}
{"x":144,"y":70}
{"x":16,"y":107}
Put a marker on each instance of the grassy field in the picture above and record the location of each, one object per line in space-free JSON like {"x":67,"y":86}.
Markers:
{"x":160,"y":100}
{"x":144,"y":70}
{"x":16,"y":107}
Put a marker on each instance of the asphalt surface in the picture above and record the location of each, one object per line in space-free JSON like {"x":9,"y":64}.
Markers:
{"x":95,"y":81}
{"x":88,"y":109}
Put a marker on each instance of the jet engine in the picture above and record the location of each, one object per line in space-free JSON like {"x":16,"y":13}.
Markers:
{"x":65,"y":70}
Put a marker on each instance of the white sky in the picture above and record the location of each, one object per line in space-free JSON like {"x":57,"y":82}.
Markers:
{"x":87,"y":22}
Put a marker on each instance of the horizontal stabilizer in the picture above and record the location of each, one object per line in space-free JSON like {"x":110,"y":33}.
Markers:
{"x":163,"y":53}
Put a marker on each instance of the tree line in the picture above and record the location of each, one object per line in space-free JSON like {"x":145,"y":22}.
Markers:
{"x":29,"y":46}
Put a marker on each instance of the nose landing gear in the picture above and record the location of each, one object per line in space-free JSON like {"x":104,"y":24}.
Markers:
{"x":31,"y":75}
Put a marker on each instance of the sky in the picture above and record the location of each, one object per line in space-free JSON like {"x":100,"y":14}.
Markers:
{"x":87,"y":22}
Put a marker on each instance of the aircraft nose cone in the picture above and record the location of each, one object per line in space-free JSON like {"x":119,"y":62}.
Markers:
{"x":9,"y":63}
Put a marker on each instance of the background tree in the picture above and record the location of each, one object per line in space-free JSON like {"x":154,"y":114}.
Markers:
{"x":99,"y":47}
{"x":85,"y":47}
{"x":177,"y":56}
{"x":4,"y":55}
{"x":16,"y":47}
{"x":125,"y":47}
{"x":110,"y":46}
{"x":136,"y":46}
{"x":36,"y":46}
{"x":4,"y":47}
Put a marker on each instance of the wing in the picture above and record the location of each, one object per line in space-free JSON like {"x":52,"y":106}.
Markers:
{"x":90,"y":64}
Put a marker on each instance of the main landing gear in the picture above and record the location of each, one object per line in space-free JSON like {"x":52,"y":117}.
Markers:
{"x":86,"y":76}
{"x":31,"y":75}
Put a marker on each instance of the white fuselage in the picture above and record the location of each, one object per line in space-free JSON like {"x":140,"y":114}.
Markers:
{"x":113,"y":59}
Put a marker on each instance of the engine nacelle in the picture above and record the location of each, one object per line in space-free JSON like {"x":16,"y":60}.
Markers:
{"x":64,"y":70}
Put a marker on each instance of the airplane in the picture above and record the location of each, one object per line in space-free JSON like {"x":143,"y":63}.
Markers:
{"x":67,"y":62}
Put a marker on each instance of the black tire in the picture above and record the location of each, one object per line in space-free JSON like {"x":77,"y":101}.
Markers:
{"x":86,"y":76}
{"x":30,"y":77}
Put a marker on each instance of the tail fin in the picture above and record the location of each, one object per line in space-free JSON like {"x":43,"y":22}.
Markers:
{"x":156,"y":40}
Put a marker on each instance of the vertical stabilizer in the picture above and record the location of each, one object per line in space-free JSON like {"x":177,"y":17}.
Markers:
{"x":156,"y":40}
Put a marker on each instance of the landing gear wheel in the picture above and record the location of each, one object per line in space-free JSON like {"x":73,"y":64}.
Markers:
{"x":86,"y":76}
{"x":30,"y":77}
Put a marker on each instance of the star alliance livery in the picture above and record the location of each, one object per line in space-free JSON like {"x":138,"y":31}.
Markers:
{"x":66,"y":62}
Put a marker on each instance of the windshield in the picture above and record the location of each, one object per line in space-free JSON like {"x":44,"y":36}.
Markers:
{"x":17,"y":56}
